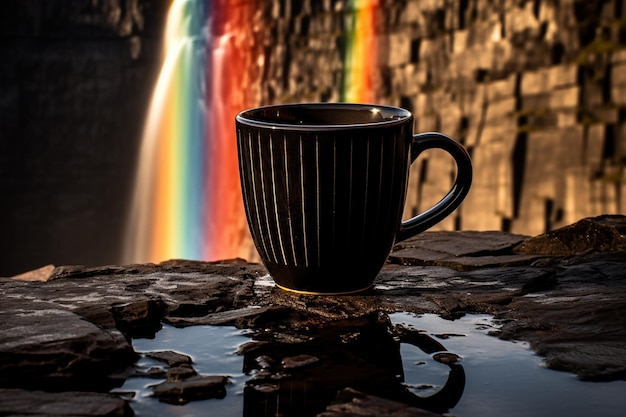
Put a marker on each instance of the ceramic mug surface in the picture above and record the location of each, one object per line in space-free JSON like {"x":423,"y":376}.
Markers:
{"x":324,"y":188}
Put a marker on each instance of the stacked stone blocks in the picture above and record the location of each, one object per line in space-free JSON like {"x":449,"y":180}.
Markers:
{"x":536,"y":90}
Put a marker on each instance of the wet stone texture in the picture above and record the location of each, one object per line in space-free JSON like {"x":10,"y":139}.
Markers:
{"x":65,"y":331}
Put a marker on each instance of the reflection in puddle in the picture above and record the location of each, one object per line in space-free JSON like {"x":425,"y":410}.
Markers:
{"x":505,"y":378}
{"x":213,"y":351}
{"x":416,"y":362}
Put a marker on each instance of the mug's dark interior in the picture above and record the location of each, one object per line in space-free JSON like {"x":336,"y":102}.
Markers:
{"x":329,"y":114}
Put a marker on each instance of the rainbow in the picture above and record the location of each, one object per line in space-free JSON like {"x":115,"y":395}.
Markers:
{"x":187,"y":200}
{"x":360,"y":57}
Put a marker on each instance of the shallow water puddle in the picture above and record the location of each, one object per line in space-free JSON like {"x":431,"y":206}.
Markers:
{"x":498,"y":378}
{"x":213,"y":351}
{"x":505,"y":378}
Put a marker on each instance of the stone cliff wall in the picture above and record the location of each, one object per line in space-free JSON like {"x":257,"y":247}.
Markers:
{"x":536,"y":90}
{"x":75,"y":81}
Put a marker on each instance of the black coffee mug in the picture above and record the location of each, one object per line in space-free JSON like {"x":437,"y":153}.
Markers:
{"x":324,"y":188}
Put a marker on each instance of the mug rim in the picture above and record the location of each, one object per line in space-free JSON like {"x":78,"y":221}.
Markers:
{"x":401,"y":116}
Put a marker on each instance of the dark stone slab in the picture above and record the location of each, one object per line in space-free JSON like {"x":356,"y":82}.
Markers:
{"x":170,"y":357}
{"x":602,"y":233}
{"x":353,"y":403}
{"x":421,"y":257}
{"x":462,"y":251}
{"x":579,"y":325}
{"x":45,"y":346}
{"x":196,"y":387}
{"x":18,"y":402}
{"x":229,"y":317}
{"x":470,"y":243}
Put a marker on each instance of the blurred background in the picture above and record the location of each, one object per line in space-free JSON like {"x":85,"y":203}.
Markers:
{"x":117,"y":116}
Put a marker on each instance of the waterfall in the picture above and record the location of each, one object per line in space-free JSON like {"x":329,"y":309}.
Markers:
{"x":186,"y":202}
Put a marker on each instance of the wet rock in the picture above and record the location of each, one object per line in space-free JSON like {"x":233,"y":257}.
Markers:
{"x":46,"y":346}
{"x":417,"y":257}
{"x":353,"y":403}
{"x":18,"y":402}
{"x":265,"y":388}
{"x":139,"y":318}
{"x":170,"y":357}
{"x":470,"y":243}
{"x":603,"y":233}
{"x":42,"y":274}
{"x":445,"y":336}
{"x":71,"y":332}
{"x":152,"y":372}
{"x":577,"y":326}
{"x":265,"y":361}
{"x":446,"y":358}
{"x":462,"y":251}
{"x":299,"y":361}
{"x":229,"y":317}
{"x":179,"y":373}
{"x":136,"y":297}
{"x":543,"y":280}
{"x":199,"y":387}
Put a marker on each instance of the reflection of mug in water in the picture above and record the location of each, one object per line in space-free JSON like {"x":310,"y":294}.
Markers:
{"x":300,"y":376}
{"x":324,"y":187}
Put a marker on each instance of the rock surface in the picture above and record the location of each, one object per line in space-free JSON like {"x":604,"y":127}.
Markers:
{"x":564,"y":292}
{"x":17,"y":402}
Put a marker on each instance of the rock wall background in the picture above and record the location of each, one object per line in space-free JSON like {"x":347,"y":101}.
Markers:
{"x":535,"y":89}
{"x":75,"y":82}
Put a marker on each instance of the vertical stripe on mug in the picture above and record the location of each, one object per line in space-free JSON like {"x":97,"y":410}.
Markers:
{"x":296,"y":187}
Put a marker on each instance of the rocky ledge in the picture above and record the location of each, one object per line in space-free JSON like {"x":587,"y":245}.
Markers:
{"x":65,"y":331}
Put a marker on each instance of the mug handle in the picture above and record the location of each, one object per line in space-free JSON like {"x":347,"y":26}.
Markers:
{"x":454,"y":197}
